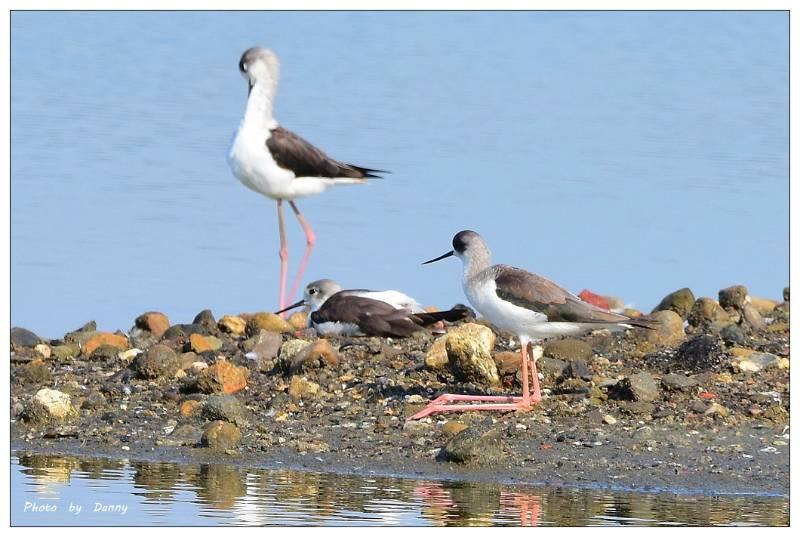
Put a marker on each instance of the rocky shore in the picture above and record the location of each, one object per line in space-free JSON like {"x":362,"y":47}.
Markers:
{"x":700,"y":404}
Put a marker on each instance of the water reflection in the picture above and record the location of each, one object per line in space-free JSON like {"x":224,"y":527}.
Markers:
{"x":209,"y":494}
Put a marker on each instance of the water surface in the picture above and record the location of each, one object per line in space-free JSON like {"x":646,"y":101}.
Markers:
{"x":633,"y":153}
{"x":105,"y":492}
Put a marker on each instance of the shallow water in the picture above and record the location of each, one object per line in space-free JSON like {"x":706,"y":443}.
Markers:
{"x":633,"y":153}
{"x":152,"y":493}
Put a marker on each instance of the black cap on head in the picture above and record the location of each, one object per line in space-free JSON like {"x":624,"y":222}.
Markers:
{"x":462,"y":239}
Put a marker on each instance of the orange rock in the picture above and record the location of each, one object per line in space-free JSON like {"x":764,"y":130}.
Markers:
{"x":508,"y":361}
{"x":233,"y":325}
{"x":154,"y":321}
{"x":223,"y":376}
{"x":199,"y":343}
{"x":298,"y":320}
{"x":104,"y":338}
{"x":191,"y":408}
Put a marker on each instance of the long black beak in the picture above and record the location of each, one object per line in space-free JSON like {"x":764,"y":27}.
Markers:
{"x":448,"y":254}
{"x":293,"y":306}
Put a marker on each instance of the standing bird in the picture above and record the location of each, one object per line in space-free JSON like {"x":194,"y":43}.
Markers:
{"x":525,"y":304}
{"x":361,"y":312}
{"x":279,"y":164}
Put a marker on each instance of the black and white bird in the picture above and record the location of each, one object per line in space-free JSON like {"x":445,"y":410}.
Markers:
{"x":525,"y":304}
{"x":361,"y":312}
{"x":279,"y":164}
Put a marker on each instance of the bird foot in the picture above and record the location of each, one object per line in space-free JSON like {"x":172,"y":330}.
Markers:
{"x":485,"y":402}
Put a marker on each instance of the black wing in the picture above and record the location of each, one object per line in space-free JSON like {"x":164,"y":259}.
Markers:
{"x":293,"y":153}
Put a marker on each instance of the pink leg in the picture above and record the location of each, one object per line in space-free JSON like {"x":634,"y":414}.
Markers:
{"x":497,"y":402}
{"x":537,"y":392}
{"x":284,"y":255}
{"x":311,"y":240}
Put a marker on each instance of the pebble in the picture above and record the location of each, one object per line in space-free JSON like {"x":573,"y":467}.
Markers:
{"x":36,"y":372}
{"x":289,"y":349}
{"x":50,"y":407}
{"x":233,"y":325}
{"x":668,"y":330}
{"x":609,"y":419}
{"x":205,"y":318}
{"x":199,"y":344}
{"x":221,"y":436}
{"x":677,"y":381}
{"x":732,"y":335}
{"x":104,"y":338}
{"x":639,"y":387}
{"x":706,"y":311}
{"x":317,"y":354}
{"x":733,"y":297}
{"x":269,"y":322}
{"x":224,"y":377}
{"x":756,"y":361}
{"x":226,"y":408}
{"x":452,"y":428}
{"x":43,"y":350}
{"x":579,"y":370}
{"x":190,"y":408}
{"x":62,"y":352}
{"x":302,"y":388}
{"x":568,"y":349}
{"x":680,"y":302}
{"x":159,"y":361}
{"x":153,"y":321}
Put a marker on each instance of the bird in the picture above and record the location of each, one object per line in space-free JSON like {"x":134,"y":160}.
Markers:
{"x":361,"y":312}
{"x":279,"y":164}
{"x":525,"y":304}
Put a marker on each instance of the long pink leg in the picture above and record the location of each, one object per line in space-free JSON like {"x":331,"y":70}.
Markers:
{"x":440,"y":404}
{"x":311,"y":240}
{"x":284,"y":255}
{"x":537,"y":392}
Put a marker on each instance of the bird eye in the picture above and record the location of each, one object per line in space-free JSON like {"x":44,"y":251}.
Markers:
{"x":312,"y":291}
{"x":242,"y":66}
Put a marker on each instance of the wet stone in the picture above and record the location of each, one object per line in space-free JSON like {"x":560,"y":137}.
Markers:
{"x":22,"y":337}
{"x":159,"y":361}
{"x":471,"y":445}
{"x":221,"y":436}
{"x":732,"y":335}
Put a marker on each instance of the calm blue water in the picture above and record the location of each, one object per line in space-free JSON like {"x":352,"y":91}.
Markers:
{"x":53,"y":490}
{"x":631,"y":153}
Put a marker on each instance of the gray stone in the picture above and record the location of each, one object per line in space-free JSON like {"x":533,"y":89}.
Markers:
{"x":677,"y":381}
{"x":786,"y":294}
{"x":644,"y":387}
{"x":226,"y":408}
{"x":471,"y":445}
{"x":22,"y":337}
{"x":184,"y":330}
{"x":578,"y":370}
{"x":733,"y":297}
{"x":205,"y":318}
{"x":732,"y":335}
{"x":551,"y":367}
{"x":158,"y":361}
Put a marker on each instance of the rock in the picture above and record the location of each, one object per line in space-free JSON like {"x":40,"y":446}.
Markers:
{"x":318,"y":354}
{"x":786,"y":294}
{"x":640,"y":387}
{"x":751,"y":316}
{"x":678,"y":382}
{"x":507,"y":362}
{"x":206,"y":319}
{"x":22,"y":337}
{"x":763,"y":306}
{"x":756,"y":361}
{"x":269,"y":322}
{"x":177,"y":331}
{"x":668,"y":330}
{"x":226,"y":408}
{"x":680,"y":301}
{"x":50,"y":407}
{"x":62,"y":352}
{"x":289,"y":350}
{"x":733,"y":297}
{"x":436,"y":357}
{"x":94,"y":400}
{"x":302,"y":388}
{"x":35,"y":372}
{"x":224,"y":377}
{"x":105,"y":352}
{"x":578,"y":369}
{"x":159,"y":361}
{"x":549,"y":367}
{"x":609,"y":419}
{"x":593,"y":298}
{"x":43,"y":350}
{"x":221,"y":436}
{"x":471,"y":445}
{"x":142,"y":339}
{"x":191,"y":408}
{"x":452,"y":428}
{"x":778,"y":327}
{"x":153,"y":321}
{"x":706,"y":312}
{"x":262,"y":349}
{"x":298,"y":320}
{"x":469,"y":353}
{"x":104,"y":338}
{"x":232,"y":325}
{"x":128,"y":356}
{"x":732,"y":334}
{"x":568,"y":349}
{"x":199,"y":343}
{"x":700,"y":353}
{"x":643,"y":433}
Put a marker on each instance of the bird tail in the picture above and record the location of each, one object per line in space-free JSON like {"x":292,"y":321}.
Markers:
{"x":368,"y":172}
{"x":643,"y":322}
{"x":451,"y":316}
